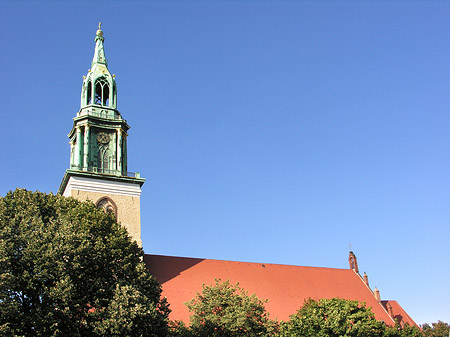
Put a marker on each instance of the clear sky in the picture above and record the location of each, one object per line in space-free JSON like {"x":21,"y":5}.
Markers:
{"x":268,"y":131}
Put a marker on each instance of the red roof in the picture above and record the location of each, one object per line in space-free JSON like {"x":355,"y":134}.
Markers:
{"x":398,"y":312}
{"x":286,"y":287}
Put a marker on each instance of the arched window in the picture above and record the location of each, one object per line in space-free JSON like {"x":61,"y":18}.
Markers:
{"x":89,"y":93}
{"x":101,"y":91}
{"x":107,"y":205}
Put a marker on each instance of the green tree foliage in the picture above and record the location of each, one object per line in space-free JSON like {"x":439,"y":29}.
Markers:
{"x":179,"y":329}
{"x":403,"y":331}
{"x":68,"y":269}
{"x":439,"y":329}
{"x":333,"y":318}
{"x":222,"y":309}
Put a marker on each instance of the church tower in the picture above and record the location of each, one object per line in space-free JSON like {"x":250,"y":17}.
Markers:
{"x":98,"y":149}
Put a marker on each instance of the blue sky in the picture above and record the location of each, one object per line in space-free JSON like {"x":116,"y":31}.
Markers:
{"x":276,"y":132}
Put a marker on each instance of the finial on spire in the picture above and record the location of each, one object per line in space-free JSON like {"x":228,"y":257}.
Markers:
{"x":99,"y":30}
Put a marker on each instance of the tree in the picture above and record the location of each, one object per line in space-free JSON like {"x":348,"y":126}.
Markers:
{"x":333,"y":318}
{"x":179,"y":329}
{"x":439,"y":329}
{"x":403,"y":331}
{"x":68,"y":269}
{"x":222,"y":309}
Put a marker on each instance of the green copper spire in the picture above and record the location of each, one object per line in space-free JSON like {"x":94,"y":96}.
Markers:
{"x":99,"y":86}
{"x":99,"y":54}
{"x":99,"y":135}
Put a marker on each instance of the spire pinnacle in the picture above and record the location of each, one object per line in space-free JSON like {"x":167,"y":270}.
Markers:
{"x":99,"y":54}
{"x":99,"y":30}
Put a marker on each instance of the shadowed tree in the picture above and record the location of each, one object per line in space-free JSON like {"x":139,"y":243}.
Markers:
{"x":68,"y":269}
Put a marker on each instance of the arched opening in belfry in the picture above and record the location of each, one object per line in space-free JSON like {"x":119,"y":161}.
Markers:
{"x":89,"y":93}
{"x":101,"y":91}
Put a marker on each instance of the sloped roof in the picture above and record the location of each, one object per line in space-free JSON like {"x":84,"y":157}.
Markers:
{"x":285,"y":286}
{"x":398,"y":312}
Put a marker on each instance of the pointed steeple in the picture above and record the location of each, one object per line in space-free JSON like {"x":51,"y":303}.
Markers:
{"x":98,"y":136}
{"x":99,"y":54}
{"x":99,"y":85}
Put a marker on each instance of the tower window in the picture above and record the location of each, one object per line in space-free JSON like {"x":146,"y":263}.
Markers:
{"x":101,"y":91}
{"x":107,"y":205}
{"x":89,"y":93}
{"x":103,"y":160}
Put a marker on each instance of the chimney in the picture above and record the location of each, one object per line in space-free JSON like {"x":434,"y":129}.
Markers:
{"x":376,"y":293}
{"x":366,"y":279}
{"x":389,"y":309}
{"x":353,"y":262}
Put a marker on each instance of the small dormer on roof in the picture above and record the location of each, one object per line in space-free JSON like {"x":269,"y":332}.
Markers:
{"x":99,"y":85}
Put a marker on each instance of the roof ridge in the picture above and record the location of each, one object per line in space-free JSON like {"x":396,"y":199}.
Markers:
{"x":261,"y":263}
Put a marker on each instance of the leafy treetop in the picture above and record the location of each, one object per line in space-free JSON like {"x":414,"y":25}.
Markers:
{"x":68,"y":269}
{"x":223,"y":309}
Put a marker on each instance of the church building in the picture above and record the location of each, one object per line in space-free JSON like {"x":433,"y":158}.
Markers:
{"x":98,"y":172}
